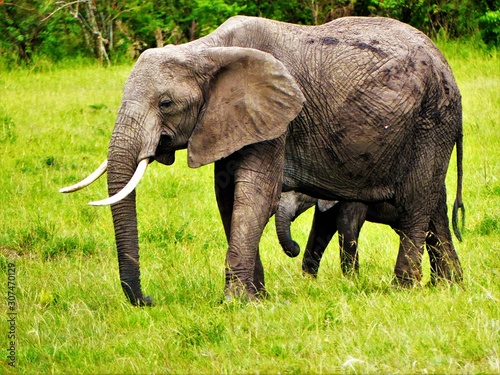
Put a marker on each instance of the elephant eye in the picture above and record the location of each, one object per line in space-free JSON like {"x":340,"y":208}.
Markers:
{"x":165,"y":103}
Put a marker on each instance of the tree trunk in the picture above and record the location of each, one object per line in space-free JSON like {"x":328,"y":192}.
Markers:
{"x":99,"y":48}
{"x":159,"y":38}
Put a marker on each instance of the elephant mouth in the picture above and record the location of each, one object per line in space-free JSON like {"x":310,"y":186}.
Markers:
{"x":167,"y":159}
{"x":165,"y":152}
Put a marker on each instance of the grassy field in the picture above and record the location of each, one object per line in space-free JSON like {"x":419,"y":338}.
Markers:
{"x":71,"y":315}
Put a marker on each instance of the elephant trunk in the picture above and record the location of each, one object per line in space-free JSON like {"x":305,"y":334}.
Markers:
{"x":124,"y":150}
{"x":284,"y":218}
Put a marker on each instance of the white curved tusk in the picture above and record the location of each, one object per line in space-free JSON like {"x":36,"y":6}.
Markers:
{"x":131,"y":185}
{"x":87,"y":181}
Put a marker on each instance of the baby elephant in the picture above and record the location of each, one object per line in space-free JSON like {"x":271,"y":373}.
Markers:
{"x":345,"y":217}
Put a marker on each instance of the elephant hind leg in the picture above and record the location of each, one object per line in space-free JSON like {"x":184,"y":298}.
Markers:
{"x":412,"y":230}
{"x":408,"y":267}
{"x":444,"y":261}
{"x":416,"y":200}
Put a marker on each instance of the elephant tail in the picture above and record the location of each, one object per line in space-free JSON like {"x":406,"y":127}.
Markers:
{"x":459,"y":205}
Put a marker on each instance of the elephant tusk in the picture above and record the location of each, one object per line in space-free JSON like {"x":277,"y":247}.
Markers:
{"x":131,"y":185}
{"x":87,"y":181}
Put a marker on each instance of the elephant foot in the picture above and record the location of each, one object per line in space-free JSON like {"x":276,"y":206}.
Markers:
{"x":350,"y":273}
{"x":406,"y":281}
{"x":449,"y":271}
{"x":408,"y":269}
{"x":350,"y":268}
{"x":237,"y":291}
{"x":310,"y":269}
{"x":243,"y":297}
{"x":146,"y":301}
{"x":349,"y":263}
{"x":308,"y":273}
{"x":446,"y":278}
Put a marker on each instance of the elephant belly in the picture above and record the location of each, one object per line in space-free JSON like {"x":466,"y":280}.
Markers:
{"x":334,"y":183}
{"x":356,"y":170}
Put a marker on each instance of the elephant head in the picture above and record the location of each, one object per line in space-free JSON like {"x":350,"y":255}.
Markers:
{"x":292,"y":204}
{"x":212,"y":101}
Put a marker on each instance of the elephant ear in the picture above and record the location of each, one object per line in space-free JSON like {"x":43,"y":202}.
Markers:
{"x":252,"y":98}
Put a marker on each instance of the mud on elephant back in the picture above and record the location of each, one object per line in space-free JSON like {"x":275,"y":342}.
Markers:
{"x":358,"y":109}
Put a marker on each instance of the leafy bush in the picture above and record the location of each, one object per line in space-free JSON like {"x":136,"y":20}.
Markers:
{"x":454,"y":18}
{"x":489,"y":24}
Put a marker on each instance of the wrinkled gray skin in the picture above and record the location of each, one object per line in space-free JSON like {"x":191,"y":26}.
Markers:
{"x":362,"y":109}
{"x":291,"y":205}
{"x":347,"y":218}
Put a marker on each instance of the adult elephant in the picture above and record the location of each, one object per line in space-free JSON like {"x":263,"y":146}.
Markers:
{"x":360,"y":109}
{"x":347,"y":218}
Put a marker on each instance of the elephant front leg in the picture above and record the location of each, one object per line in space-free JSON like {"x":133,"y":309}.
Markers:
{"x":350,"y":219}
{"x":323,"y":228}
{"x":246,"y":201}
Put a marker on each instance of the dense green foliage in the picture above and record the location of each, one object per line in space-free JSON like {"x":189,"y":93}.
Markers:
{"x":108,"y":29}
{"x":490,"y":27}
{"x":72,"y":316}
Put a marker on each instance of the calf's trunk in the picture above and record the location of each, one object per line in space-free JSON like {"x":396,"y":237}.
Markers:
{"x":284,"y":218}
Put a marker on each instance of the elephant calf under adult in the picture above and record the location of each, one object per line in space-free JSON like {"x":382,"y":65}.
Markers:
{"x":362,"y":109}
{"x":347,"y":218}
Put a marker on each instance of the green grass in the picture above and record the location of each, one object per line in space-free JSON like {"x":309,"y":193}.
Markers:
{"x":72,"y":316}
